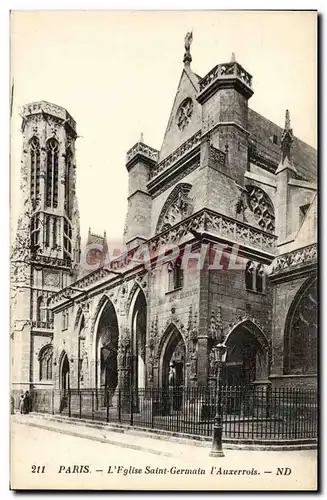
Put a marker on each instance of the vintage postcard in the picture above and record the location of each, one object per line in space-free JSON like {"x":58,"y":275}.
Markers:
{"x":164,"y":250}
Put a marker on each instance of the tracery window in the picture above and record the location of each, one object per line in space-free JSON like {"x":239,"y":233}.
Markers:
{"x":177,"y":207}
{"x":184,"y":113}
{"x":262,"y":208}
{"x":52,"y":173}
{"x":35,"y":168}
{"x":301,"y":333}
{"x":41,"y":313}
{"x":45,"y":359}
{"x":255,"y":278}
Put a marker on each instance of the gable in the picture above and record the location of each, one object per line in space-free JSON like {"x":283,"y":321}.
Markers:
{"x":307,"y":233}
{"x":176,"y":135}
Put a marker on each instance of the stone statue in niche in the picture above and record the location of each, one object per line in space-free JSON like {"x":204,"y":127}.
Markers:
{"x":241,"y":207}
{"x":193,"y":365}
{"x":212,"y":365}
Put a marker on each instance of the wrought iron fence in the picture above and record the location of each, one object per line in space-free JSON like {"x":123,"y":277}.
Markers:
{"x":249,"y":413}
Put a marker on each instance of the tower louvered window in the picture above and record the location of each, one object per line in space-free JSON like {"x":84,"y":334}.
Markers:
{"x":52,"y":174}
{"x":35,"y":168}
{"x":47,"y":231}
{"x":54,"y":232}
{"x":68,"y":165}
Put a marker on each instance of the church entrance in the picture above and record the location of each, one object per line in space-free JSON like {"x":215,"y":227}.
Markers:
{"x":173,"y":360}
{"x":138,"y":341}
{"x":64,"y":374}
{"x":245,"y":363}
{"x":173,"y":370}
{"x":242,"y":358}
{"x":106,"y":354}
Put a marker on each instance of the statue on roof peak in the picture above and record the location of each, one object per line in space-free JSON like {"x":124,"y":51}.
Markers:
{"x":187,"y":44}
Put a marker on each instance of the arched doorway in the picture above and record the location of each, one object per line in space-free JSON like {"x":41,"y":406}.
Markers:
{"x":106,"y":351}
{"x":138,"y":341}
{"x":172,"y":368}
{"x":245,"y":356}
{"x":173,"y":359}
{"x":64,"y":373}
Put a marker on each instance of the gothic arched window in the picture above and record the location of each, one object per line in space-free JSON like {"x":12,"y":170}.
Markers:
{"x":35,"y":232}
{"x":301,"y":332}
{"x":49,"y":313}
{"x":177,"y":207}
{"x":41,"y":312}
{"x":259,"y":279}
{"x":249,"y":276}
{"x":35,"y":168}
{"x":45,"y":359}
{"x":262,"y":208}
{"x":52,"y":173}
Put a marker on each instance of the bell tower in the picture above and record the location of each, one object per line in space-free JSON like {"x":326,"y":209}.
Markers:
{"x":47,"y":242}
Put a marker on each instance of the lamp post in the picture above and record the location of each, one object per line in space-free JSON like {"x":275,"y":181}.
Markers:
{"x":217,"y":448}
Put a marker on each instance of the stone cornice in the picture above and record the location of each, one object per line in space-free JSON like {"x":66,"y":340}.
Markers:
{"x":184,"y":148}
{"x":294,"y":262}
{"x":48,"y":108}
{"x":143,"y":153}
{"x":226,"y":75}
{"x":205,"y":221}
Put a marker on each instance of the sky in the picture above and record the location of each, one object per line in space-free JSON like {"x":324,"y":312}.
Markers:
{"x":117,"y":72}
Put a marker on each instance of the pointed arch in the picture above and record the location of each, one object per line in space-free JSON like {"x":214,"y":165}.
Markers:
{"x":137,"y":325}
{"x":262,"y":207}
{"x":64,"y":371}
{"x":246,"y":357}
{"x":78,"y":319}
{"x":34,"y":151}
{"x":249,"y":325}
{"x":51,"y":192}
{"x":99,"y":308}
{"x":45,"y":358}
{"x":172,"y":341}
{"x":105,"y":336}
{"x":300,"y":334}
{"x":176,"y":207}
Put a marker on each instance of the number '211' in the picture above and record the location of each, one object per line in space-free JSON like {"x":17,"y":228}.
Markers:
{"x":38,"y":469}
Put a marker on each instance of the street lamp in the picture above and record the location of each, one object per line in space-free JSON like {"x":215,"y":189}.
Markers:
{"x":217,"y":448}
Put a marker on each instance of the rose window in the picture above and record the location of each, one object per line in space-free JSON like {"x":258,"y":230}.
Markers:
{"x":184,"y":113}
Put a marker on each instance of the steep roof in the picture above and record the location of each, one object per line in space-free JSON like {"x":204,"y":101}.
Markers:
{"x":262,"y":131}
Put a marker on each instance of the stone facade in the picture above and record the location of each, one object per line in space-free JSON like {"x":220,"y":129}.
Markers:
{"x":221,"y":247}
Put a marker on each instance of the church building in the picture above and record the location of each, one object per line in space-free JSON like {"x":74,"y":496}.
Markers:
{"x":221,"y":247}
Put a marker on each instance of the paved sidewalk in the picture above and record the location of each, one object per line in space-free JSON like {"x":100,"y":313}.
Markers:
{"x":45,"y":454}
{"x":136,"y":440}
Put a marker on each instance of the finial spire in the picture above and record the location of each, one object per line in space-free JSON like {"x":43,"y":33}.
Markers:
{"x":287,"y":120}
{"x":187,"y":44}
{"x":233,"y":58}
{"x":287,"y":138}
{"x":142,"y":137}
